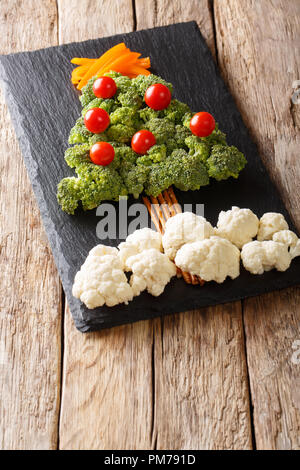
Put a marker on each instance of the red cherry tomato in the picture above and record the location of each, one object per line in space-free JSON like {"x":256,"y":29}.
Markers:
{"x":102,"y":153}
{"x":158,"y":96}
{"x":104,"y":87}
{"x":202,"y":124}
{"x":142,"y":141}
{"x":96,"y":120}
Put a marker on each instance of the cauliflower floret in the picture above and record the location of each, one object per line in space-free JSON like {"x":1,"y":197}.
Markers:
{"x":270,"y":223}
{"x":101,"y":279}
{"x":239,"y":226}
{"x":290,"y":239}
{"x":212,"y":259}
{"x":151,"y":270}
{"x":263,"y":256}
{"x":184,"y":228}
{"x":138,"y":241}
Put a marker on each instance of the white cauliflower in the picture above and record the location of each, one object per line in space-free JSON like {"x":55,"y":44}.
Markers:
{"x":101,"y":279}
{"x":270,"y":223}
{"x":263,"y":256}
{"x":184,"y":228}
{"x":239,"y":226}
{"x":290,"y":239}
{"x":151,"y":270}
{"x":140,"y":240}
{"x":212,"y":259}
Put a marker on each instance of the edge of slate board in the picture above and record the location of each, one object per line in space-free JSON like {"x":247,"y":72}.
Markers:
{"x":105,"y":317}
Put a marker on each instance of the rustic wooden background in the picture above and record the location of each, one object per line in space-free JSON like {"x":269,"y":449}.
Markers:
{"x":226,"y":377}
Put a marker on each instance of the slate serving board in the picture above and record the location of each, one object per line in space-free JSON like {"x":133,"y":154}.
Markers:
{"x":44,"y":106}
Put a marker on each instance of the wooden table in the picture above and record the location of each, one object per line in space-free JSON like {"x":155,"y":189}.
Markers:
{"x":226,"y":377}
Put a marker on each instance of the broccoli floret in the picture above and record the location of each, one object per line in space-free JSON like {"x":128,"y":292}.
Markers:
{"x":87,"y":92}
{"x":98,"y":138}
{"x":224,"y":162}
{"x":181,"y":133}
{"x":123,"y":83}
{"x":147,"y":113}
{"x":108,"y":105}
{"x":142,"y":82}
{"x":130,"y":99}
{"x":125,"y":154}
{"x":77,"y":155}
{"x":158,"y":180}
{"x":120,"y":133}
{"x":79,"y":133}
{"x":98,"y":184}
{"x":215,"y":138}
{"x":155,"y":154}
{"x":125,"y":116}
{"x":187,"y":171}
{"x":161,"y":128}
{"x":175,"y":111}
{"x":197,"y":147}
{"x":186,"y":118}
{"x":69,"y":194}
{"x":134,"y":177}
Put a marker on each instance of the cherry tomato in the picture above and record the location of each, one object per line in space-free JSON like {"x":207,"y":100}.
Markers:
{"x":158,"y":96}
{"x":202,"y":124}
{"x":96,"y":120}
{"x":104,"y":87}
{"x":142,"y":141}
{"x":102,"y":153}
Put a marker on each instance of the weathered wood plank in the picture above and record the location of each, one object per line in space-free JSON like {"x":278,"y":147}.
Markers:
{"x":257,"y":51}
{"x":30,"y":291}
{"x":107,"y":378}
{"x":80,"y":20}
{"x":161,"y":13}
{"x":200,"y":409}
{"x":201,"y":384}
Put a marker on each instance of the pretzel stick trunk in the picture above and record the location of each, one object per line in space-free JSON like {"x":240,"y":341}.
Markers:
{"x":161,"y":209}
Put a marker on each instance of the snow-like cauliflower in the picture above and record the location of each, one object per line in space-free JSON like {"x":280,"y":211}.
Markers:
{"x":290,"y":239}
{"x":101,"y":279}
{"x":270,"y":223}
{"x":263,"y":256}
{"x":239,"y":226}
{"x":184,"y":228}
{"x":212,"y":259}
{"x":151,"y":270}
{"x":137,"y":242}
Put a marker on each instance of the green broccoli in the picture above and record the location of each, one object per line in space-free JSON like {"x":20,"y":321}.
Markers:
{"x":178,"y":158}
{"x":108,"y":105}
{"x":158,"y":180}
{"x":69,"y":194}
{"x":77,"y":155}
{"x":161,"y":128}
{"x":130,"y":99}
{"x":142,"y":82}
{"x":216,"y":137}
{"x":125,"y":116}
{"x":87,"y":93}
{"x":175,"y":111}
{"x":155,"y":154}
{"x":187,"y":171}
{"x":224,"y":162}
{"x":134,"y":177}
{"x":79,"y":133}
{"x":98,"y":184}
{"x":197,"y":147}
{"x":147,"y":113}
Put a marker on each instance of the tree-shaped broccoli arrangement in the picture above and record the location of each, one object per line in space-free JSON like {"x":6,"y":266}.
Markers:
{"x":133,"y":138}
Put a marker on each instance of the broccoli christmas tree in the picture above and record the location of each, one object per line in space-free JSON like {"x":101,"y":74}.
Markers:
{"x":178,"y":157}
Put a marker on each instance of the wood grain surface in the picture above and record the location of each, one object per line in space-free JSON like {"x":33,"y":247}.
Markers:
{"x":30,"y":312}
{"x":259,"y":59}
{"x":181,"y":381}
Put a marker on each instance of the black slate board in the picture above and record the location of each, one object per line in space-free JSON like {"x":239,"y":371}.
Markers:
{"x":44,"y":106}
